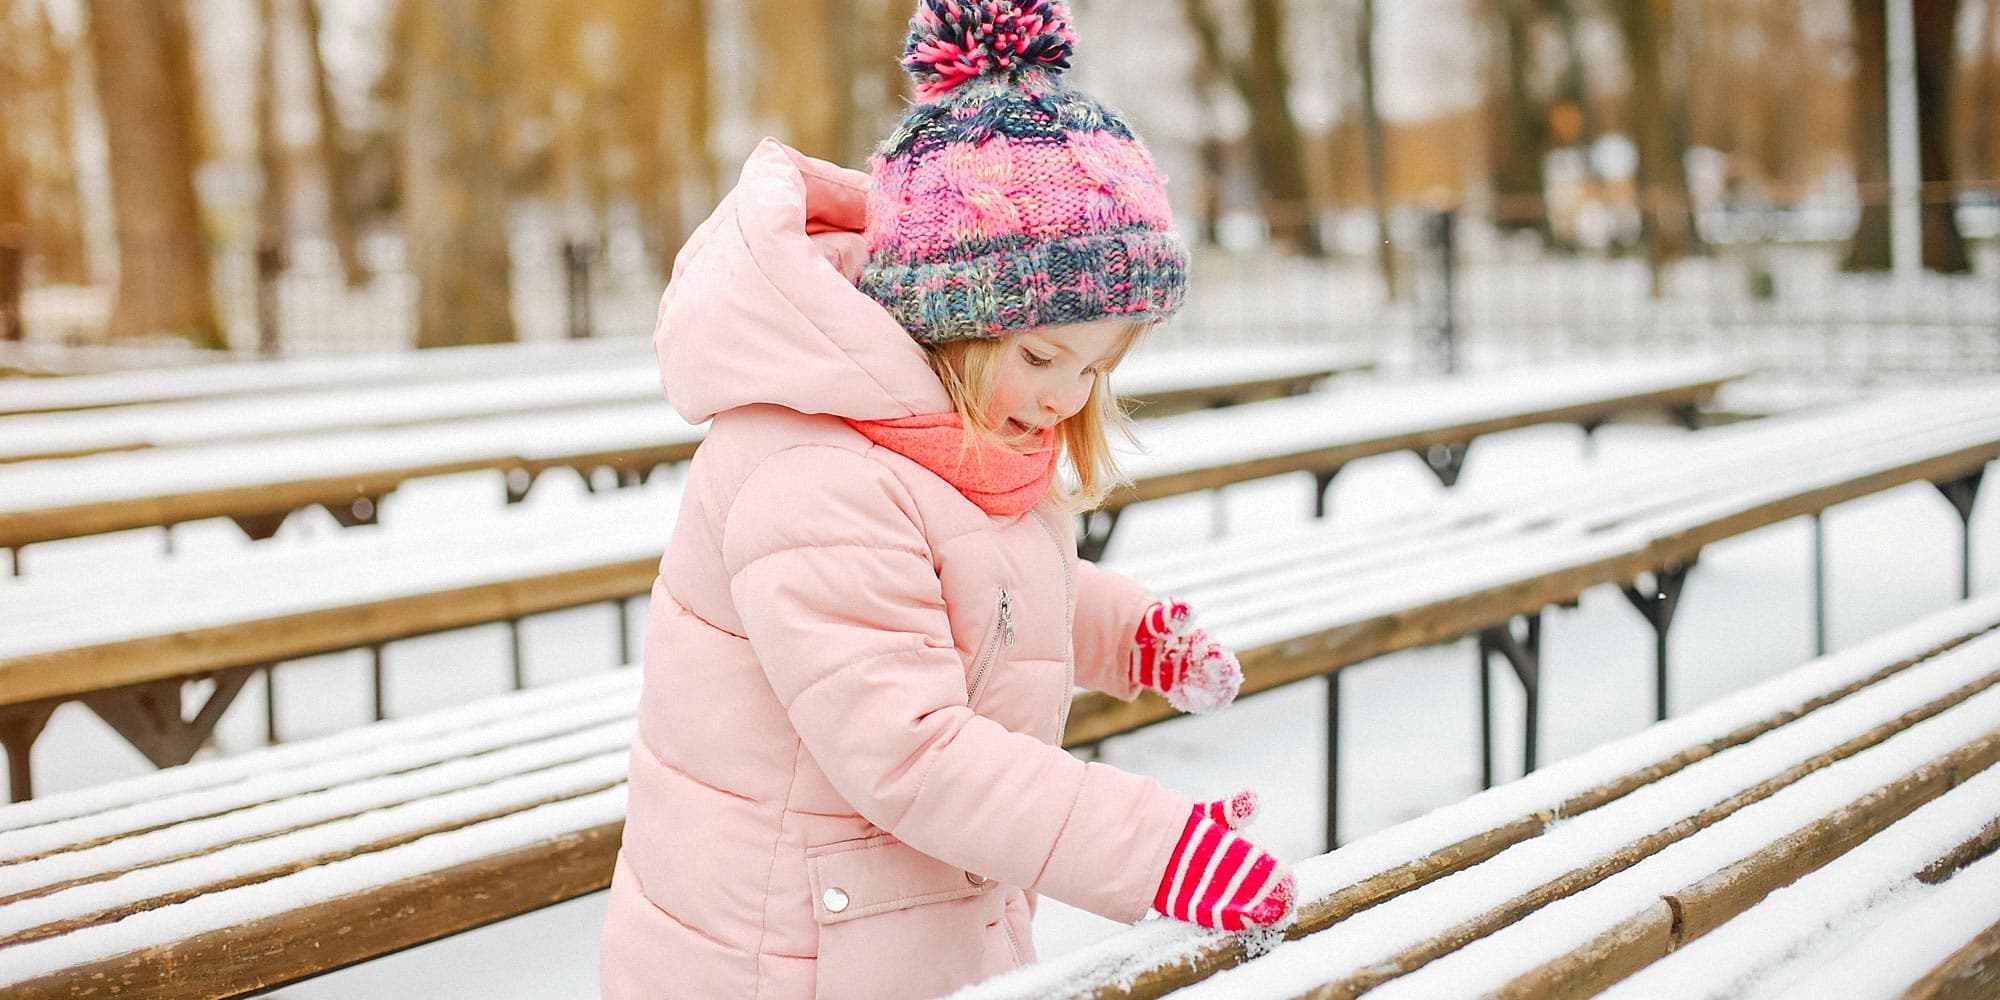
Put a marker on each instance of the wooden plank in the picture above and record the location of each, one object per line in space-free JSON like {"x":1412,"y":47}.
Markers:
{"x":1971,"y":973}
{"x":322,"y":937}
{"x":69,"y":672}
{"x":1713,"y":900}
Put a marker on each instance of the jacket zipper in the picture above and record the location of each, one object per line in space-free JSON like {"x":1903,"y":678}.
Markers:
{"x":1003,"y":632}
{"x":1013,"y":943}
{"x":1069,"y":624}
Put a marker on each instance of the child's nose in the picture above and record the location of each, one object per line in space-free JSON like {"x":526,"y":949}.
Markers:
{"x":1064,"y":401}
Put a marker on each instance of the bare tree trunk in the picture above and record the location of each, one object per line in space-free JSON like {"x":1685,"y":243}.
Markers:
{"x":1264,"y":80}
{"x":35,"y":81}
{"x":1575,"y":79}
{"x":1665,"y":217}
{"x":455,"y":203}
{"x":272,"y":197}
{"x":336,"y":163}
{"x":1985,"y":145}
{"x":145,"y":82}
{"x":1870,"y":250}
{"x":1937,"y":70}
{"x":1519,"y":137}
{"x":1376,"y":147}
{"x":801,"y":84}
{"x":13,"y":237}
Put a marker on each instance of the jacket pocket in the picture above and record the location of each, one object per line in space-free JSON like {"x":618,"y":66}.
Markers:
{"x":989,"y":651}
{"x":895,"y":922}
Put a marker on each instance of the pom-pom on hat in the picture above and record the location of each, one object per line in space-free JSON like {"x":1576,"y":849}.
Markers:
{"x":1007,"y":200}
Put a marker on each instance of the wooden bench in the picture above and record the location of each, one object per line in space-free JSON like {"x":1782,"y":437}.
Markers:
{"x":1436,"y":419}
{"x":305,"y":462}
{"x":1658,"y":865}
{"x":388,"y":874}
{"x":429,"y":390}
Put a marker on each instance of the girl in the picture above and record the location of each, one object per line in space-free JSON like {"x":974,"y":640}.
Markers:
{"x":847,"y":778}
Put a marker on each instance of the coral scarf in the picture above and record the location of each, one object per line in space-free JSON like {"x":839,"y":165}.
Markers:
{"x":1000,"y":480}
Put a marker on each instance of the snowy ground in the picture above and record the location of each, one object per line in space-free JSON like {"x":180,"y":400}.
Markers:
{"x":1410,"y":724}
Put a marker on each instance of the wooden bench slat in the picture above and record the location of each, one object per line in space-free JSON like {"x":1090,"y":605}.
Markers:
{"x":1152,"y":960}
{"x":1777,"y":932}
{"x":243,"y":939}
{"x":1809,"y":766}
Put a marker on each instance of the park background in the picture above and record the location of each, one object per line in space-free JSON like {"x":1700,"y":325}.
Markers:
{"x":1808,"y":188}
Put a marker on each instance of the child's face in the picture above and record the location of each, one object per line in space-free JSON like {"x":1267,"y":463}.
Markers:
{"x":1045,"y":375}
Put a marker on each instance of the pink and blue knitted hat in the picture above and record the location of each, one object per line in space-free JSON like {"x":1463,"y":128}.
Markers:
{"x":1006,"y":200}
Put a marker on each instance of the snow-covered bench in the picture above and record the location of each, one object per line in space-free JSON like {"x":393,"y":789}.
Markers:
{"x":1436,"y":419}
{"x":405,"y":390}
{"x":324,"y":452}
{"x":302,"y":858}
{"x":1829,"y":832}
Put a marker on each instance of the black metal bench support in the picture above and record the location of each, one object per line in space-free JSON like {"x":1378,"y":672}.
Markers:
{"x":1322,"y":482}
{"x":1446,"y":460}
{"x":1819,"y":582}
{"x":20,"y":726}
{"x":1523,"y":652}
{"x":148,"y":714}
{"x":1963,"y":493}
{"x":1657,"y":601}
{"x":1333,"y":760}
{"x":1094,"y":534}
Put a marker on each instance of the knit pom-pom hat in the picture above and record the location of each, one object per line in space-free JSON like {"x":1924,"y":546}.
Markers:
{"x":1006,"y":200}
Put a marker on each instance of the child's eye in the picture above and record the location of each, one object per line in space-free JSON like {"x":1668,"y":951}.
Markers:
{"x":1034,"y":360}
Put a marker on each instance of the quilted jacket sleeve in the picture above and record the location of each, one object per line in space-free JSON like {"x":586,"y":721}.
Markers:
{"x":1108,"y":607}
{"x":832,"y":577}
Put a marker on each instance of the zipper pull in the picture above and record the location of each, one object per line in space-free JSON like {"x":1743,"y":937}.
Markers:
{"x":1006,"y":617}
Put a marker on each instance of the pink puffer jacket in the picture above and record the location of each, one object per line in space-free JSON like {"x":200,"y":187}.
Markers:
{"x":847,"y":781}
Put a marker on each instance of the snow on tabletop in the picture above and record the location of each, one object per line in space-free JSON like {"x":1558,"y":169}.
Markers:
{"x":266,"y":416}
{"x":1419,"y":915}
{"x":1374,"y":412}
{"x":1170,"y":369}
{"x":266,"y":376}
{"x":468,"y":723}
{"x":291,"y":812}
{"x":1548,"y":787}
{"x":103,"y":478}
{"x":1568,"y":924}
{"x":1940,"y":921}
{"x":221,"y":588}
{"x":1793,"y":925}
{"x":234,"y":907}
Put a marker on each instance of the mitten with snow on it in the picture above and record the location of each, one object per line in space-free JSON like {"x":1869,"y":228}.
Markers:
{"x":1172,"y":655}
{"x":1221,"y":881}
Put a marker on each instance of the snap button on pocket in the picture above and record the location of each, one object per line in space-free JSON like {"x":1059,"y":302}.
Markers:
{"x":835,"y":900}
{"x":978,"y":880}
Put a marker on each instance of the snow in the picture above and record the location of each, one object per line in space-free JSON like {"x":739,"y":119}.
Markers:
{"x":1411,"y":718}
{"x":1809,"y":924}
{"x":1909,"y":941}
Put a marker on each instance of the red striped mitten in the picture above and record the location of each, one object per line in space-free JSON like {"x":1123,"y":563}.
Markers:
{"x":1219,"y":880}
{"x":1172,"y":655}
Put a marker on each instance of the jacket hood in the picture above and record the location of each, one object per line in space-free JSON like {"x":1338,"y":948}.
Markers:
{"x":762,"y":306}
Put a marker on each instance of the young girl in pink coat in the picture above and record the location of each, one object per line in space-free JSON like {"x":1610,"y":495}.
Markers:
{"x":847,"y":780}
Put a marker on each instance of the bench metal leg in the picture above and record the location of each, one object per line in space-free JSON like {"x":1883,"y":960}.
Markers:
{"x":1658,"y":603}
{"x":1687,"y":415}
{"x":1095,"y":533}
{"x":20,"y":727}
{"x":1446,"y":461}
{"x":624,"y":630}
{"x":519,"y":482}
{"x":1333,"y":760}
{"x":257,"y":527}
{"x":271,"y":704}
{"x":1963,"y":493}
{"x":514,"y":653}
{"x":377,"y":673}
{"x":1322,"y":481}
{"x":361,"y":510}
{"x":1590,"y":438}
{"x":14,"y":559}
{"x":149,"y":716}
{"x":1523,"y":653}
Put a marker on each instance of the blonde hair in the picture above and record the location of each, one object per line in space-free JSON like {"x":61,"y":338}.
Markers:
{"x":969,"y":369}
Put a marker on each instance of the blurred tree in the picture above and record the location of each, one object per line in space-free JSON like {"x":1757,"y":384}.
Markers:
{"x":1262,"y":78}
{"x":1985,"y":146}
{"x":273,"y":193}
{"x":675,"y":169}
{"x":336,"y":159}
{"x":1936,"y":23}
{"x":13,"y":238}
{"x":35,"y":83}
{"x":1869,"y":28}
{"x":802,"y":82}
{"x":1575,"y":79}
{"x":1376,"y":147}
{"x":1666,"y":220}
{"x":1520,"y":133}
{"x":455,"y":198}
{"x":152,"y":118}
